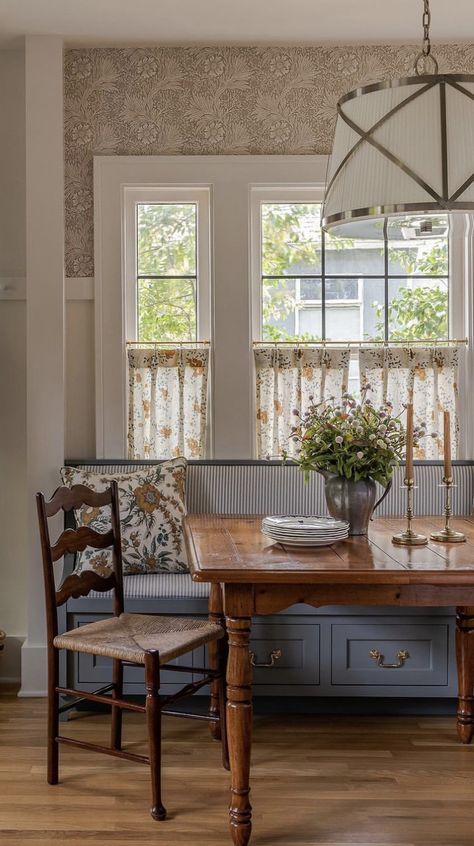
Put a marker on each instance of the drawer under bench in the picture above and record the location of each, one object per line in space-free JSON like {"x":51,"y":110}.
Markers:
{"x":320,"y":654}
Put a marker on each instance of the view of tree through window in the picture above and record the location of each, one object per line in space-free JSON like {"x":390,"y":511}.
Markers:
{"x":166,"y":271}
{"x":317,"y":287}
{"x":314,"y":286}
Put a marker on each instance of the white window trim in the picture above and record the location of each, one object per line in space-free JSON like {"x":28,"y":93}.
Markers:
{"x":230,"y":180}
{"x":461,"y":321}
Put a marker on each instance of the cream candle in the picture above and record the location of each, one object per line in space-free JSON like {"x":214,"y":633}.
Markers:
{"x":409,"y":447}
{"x":448,"y":470}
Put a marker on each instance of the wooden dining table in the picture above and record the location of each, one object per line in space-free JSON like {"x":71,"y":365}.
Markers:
{"x":261,"y":577}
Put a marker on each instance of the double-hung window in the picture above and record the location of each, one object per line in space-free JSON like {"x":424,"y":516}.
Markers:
{"x":333,"y":313}
{"x":164,"y":223}
{"x":167,"y":265}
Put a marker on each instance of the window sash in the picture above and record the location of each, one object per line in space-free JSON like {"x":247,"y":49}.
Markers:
{"x":149,"y":194}
{"x":275,"y":196}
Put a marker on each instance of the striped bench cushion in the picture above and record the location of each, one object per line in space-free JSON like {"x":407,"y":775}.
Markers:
{"x":160,"y":586}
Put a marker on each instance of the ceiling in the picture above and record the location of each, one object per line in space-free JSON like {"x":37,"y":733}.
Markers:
{"x":147,"y":22}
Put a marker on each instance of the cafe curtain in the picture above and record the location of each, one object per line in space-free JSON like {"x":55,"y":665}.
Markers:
{"x":167,"y":401}
{"x":426,"y":377}
{"x":286,"y":380}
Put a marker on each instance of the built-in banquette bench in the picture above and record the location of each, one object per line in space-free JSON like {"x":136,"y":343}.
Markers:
{"x":324,"y":652}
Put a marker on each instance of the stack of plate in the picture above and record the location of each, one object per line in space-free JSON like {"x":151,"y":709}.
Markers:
{"x":305,"y":531}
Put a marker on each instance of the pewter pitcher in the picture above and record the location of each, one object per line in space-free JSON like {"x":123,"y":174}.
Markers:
{"x":352,"y":501}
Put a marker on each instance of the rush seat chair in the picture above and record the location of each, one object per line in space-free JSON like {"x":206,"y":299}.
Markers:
{"x":128,"y":639}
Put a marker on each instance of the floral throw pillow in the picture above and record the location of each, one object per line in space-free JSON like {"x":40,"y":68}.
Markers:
{"x":152,"y":507}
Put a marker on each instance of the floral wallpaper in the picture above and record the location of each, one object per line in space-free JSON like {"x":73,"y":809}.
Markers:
{"x":209,"y":100}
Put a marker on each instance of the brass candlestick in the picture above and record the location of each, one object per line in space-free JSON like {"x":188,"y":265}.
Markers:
{"x":409,"y":537}
{"x":448,"y":535}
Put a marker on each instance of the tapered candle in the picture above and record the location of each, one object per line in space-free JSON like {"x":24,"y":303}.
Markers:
{"x":409,"y":449}
{"x":448,"y":470}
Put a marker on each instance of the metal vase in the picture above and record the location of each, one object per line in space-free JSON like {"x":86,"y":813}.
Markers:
{"x":352,"y":501}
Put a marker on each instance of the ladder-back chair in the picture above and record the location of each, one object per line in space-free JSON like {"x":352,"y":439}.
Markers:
{"x":128,"y":639}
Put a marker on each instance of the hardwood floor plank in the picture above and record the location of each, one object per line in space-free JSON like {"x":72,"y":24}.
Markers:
{"x":316,"y":781}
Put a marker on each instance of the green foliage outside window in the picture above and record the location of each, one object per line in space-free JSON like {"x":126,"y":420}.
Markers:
{"x":420,"y":312}
{"x":166,"y":246}
{"x":291,"y":244}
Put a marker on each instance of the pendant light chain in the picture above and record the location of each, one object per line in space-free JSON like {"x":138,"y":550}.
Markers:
{"x":426,"y":20}
{"x":425,"y":54}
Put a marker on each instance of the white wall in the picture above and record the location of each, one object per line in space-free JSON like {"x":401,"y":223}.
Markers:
{"x":80,"y":367}
{"x":80,"y":430}
{"x":13,"y":576}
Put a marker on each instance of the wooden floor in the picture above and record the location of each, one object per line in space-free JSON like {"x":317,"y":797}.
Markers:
{"x":316,"y":782}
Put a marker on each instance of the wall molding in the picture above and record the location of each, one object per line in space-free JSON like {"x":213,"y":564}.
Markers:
{"x":77,"y":288}
{"x":34,"y":657}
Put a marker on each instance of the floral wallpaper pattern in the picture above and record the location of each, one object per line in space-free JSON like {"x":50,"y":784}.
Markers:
{"x":209,"y":100}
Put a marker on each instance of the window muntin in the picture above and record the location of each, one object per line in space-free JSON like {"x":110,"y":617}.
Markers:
{"x":315,"y":287}
{"x":167,"y":276}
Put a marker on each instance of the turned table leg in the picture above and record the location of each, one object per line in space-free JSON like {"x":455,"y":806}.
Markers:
{"x":238,"y":610}
{"x":465,"y":662}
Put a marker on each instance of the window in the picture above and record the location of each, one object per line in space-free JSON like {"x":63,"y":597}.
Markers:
{"x":166,"y":252}
{"x":302,"y":286}
{"x":315,"y":287}
{"x":167,"y":260}
{"x":167,"y":271}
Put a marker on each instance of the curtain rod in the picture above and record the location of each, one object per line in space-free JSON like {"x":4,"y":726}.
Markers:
{"x":426,"y":341}
{"x":167,"y":343}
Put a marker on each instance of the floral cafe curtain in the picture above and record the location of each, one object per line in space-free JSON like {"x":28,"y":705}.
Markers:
{"x":167,"y":402}
{"x":427,"y":377}
{"x":287,"y":378}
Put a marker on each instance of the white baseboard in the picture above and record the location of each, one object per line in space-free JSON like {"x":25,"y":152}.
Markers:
{"x":34,"y":659}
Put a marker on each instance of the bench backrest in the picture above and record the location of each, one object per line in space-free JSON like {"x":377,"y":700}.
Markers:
{"x":268,"y":487}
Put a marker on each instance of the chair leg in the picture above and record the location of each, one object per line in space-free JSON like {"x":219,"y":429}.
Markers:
{"x":53,"y":716}
{"x":117,"y":693}
{"x":153,"y":716}
{"x":223,"y":655}
{"x":215,"y":616}
{"x":214,"y":705}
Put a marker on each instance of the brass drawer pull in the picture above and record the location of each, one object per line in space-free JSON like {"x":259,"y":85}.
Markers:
{"x":402,"y":656}
{"x":274,"y":656}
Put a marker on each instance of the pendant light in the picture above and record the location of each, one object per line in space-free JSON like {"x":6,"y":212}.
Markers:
{"x":402,"y":147}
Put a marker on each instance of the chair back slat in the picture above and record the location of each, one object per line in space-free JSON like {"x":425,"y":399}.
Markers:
{"x":76,"y":540}
{"x":68,"y":499}
{"x":82,"y":583}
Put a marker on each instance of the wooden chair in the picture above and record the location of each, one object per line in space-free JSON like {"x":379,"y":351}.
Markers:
{"x":136,"y":639}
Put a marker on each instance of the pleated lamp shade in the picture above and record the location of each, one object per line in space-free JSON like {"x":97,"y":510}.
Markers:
{"x":401,"y":147}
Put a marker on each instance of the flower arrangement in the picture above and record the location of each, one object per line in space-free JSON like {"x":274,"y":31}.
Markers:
{"x":353,"y":439}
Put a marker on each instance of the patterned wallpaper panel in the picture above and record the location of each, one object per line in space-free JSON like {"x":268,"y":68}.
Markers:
{"x":209,"y":100}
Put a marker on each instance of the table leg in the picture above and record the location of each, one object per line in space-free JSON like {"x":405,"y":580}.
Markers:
{"x":238,"y":610}
{"x":465,"y":662}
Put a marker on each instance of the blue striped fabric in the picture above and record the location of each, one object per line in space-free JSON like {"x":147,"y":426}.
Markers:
{"x":164,"y":585}
{"x":270,"y":488}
